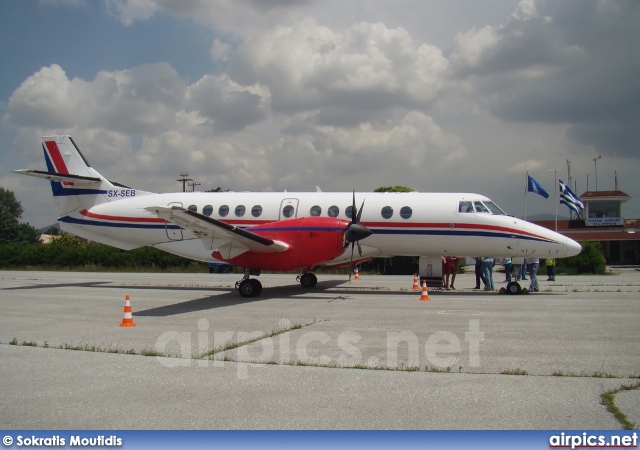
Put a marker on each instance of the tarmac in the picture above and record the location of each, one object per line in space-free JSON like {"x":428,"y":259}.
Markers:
{"x":362,"y":355}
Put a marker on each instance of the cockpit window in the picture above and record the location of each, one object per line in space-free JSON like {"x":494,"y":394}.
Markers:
{"x":465,"y":207}
{"x":495,"y":209}
{"x":481,"y":208}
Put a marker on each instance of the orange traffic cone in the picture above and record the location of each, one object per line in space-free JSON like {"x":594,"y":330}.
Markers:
{"x":416,"y":286}
{"x":357,"y":277}
{"x":127,"y":320}
{"x":425,"y":293}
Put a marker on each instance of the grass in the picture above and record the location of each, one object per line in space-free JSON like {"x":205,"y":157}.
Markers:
{"x":596,"y":374}
{"x":517,"y":371}
{"x":608,"y":400}
{"x":234,"y":345}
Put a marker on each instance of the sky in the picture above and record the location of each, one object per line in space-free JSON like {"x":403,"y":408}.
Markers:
{"x":273,"y":95}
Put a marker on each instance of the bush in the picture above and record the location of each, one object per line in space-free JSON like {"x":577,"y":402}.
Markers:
{"x":70,"y":252}
{"x":590,"y":260}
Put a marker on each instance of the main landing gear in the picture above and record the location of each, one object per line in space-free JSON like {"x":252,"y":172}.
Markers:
{"x":307,"y":280}
{"x":250,"y":287}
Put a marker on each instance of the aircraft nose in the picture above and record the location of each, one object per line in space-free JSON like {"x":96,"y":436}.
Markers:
{"x":571,"y":247}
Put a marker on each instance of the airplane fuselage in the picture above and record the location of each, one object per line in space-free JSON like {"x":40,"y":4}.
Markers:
{"x":410,"y":224}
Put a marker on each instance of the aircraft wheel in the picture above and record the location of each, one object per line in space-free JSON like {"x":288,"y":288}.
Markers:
{"x":514,"y":288}
{"x":308,"y":280}
{"x":250,"y":288}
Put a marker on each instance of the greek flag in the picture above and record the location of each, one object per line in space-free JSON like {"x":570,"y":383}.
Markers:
{"x":534,"y":186}
{"x":570,"y":199}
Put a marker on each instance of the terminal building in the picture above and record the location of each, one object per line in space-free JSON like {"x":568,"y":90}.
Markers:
{"x":602,"y":222}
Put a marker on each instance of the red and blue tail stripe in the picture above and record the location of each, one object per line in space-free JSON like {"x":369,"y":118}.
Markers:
{"x":55,"y":164}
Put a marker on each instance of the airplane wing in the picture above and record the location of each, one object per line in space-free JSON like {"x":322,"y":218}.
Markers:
{"x":59,"y":177}
{"x":229,"y":240}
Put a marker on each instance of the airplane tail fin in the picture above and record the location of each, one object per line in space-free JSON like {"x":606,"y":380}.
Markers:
{"x":76,"y":186}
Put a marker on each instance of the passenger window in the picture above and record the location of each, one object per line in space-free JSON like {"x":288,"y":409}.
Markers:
{"x":193,"y":208}
{"x":406,"y":212}
{"x":349,"y":212}
{"x":207,"y":210}
{"x":481,"y":208}
{"x":223,"y":211}
{"x":240,"y":210}
{"x":333,"y":211}
{"x":465,"y":207}
{"x":315,"y":211}
{"x":256,"y":211}
{"x":387,"y":212}
{"x":287,"y":211}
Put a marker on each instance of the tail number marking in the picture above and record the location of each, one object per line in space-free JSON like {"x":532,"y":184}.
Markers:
{"x":122,"y":193}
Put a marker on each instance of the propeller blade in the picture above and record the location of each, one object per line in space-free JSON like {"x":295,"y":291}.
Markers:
{"x":351,"y":262}
{"x":360,"y":213}
{"x":355,"y":232}
{"x":354,"y":211}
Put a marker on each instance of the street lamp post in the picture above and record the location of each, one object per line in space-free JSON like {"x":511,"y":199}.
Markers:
{"x":595,"y":163}
{"x":184,"y":180}
{"x":555,"y":192}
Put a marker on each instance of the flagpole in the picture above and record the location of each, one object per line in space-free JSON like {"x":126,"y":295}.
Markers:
{"x":555,"y":193}
{"x":526,"y":187}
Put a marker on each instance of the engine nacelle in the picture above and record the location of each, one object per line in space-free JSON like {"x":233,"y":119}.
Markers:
{"x":311,"y":241}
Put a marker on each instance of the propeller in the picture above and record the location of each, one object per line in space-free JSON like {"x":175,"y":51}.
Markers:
{"x":355,"y":231}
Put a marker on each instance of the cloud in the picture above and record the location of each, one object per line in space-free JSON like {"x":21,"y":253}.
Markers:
{"x":228,"y":105}
{"x":363,"y":68}
{"x":128,"y":11}
{"x":232,"y":18}
{"x":144,"y":100}
{"x":135,"y":101}
{"x":561,"y":62}
{"x":530,"y":165}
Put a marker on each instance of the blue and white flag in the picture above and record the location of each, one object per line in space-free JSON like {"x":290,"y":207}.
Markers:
{"x":534,"y":186}
{"x":570,"y":199}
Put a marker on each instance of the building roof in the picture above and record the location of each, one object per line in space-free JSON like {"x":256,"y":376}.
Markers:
{"x":605,"y":195}
{"x":579,"y":231}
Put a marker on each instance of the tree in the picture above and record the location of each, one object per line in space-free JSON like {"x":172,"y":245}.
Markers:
{"x":9,"y":205}
{"x":11,"y":230}
{"x":393,"y":189}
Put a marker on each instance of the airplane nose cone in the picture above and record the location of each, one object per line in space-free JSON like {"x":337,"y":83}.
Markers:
{"x":571,"y":247}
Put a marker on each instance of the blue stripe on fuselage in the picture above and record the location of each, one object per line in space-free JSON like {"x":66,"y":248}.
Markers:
{"x":76,"y":221}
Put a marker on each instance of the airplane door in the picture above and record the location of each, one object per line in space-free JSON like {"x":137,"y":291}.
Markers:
{"x":288,"y":208}
{"x":174,"y":232}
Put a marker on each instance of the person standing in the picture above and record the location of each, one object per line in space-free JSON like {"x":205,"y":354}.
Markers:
{"x":450,"y":269}
{"x":533,"y":264}
{"x":523,"y":271}
{"x":486,"y":268}
{"x":479,"y":274}
{"x":508,"y":266}
{"x":551,"y":269}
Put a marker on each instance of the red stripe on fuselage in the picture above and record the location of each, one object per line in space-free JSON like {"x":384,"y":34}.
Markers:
{"x":91,"y":215}
{"x":56,"y":157}
{"x":475,"y":226}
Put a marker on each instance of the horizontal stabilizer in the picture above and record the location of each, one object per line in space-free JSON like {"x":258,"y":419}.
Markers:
{"x":217,"y":234}
{"x":77,"y":180}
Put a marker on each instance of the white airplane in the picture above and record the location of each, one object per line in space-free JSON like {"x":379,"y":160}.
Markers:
{"x":282,"y":231}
